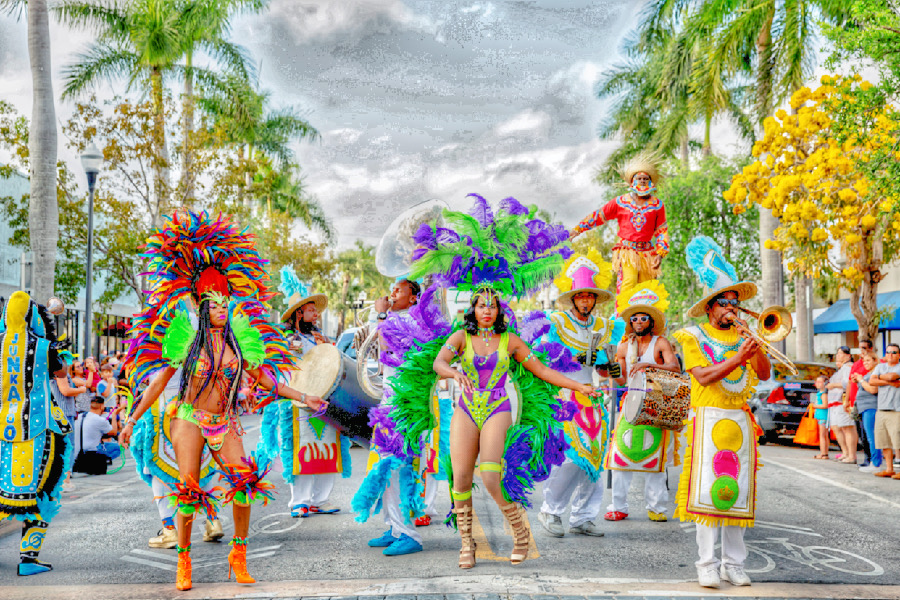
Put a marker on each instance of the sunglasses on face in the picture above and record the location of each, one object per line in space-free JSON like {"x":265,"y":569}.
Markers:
{"x":639,"y":318}
{"x":723,"y":302}
{"x":893,"y":352}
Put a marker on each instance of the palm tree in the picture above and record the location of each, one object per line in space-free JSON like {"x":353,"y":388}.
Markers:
{"x":774,"y":41}
{"x":43,"y":208}
{"x":144,"y":42}
{"x":283,"y":191}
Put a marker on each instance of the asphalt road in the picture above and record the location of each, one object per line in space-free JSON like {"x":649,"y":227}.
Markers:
{"x":818,"y":522}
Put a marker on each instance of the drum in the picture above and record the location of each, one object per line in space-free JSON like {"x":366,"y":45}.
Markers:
{"x":327,"y":372}
{"x":658,"y":398}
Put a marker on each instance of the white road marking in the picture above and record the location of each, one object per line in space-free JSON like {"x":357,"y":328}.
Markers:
{"x":836,"y":484}
{"x":158,"y":555}
{"x":151,"y":563}
{"x":263,"y":552}
{"x":102,"y":490}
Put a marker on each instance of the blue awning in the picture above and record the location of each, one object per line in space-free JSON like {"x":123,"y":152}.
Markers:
{"x":838,"y":318}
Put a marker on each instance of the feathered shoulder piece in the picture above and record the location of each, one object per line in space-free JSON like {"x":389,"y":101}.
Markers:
{"x":511,"y":250}
{"x":707,"y":259}
{"x":291,"y":284}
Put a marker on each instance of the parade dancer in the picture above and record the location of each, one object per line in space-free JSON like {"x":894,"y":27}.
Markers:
{"x":514,"y":253}
{"x":312,"y":452}
{"x":154,"y":459}
{"x":642,"y":448}
{"x":392,"y":480}
{"x":583,"y":285}
{"x":718,"y":483}
{"x":641,"y":216}
{"x":34,"y":449}
{"x":208,"y":261}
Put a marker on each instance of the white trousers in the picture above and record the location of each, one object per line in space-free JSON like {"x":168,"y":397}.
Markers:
{"x":161,"y":490}
{"x":431,"y":488}
{"x":390,"y":508}
{"x":311,"y":490}
{"x":656,"y":494}
{"x":569,"y":482}
{"x":734,"y":552}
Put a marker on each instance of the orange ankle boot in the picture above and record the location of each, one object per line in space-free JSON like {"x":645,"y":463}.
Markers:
{"x":237,"y":561}
{"x":183,"y":575}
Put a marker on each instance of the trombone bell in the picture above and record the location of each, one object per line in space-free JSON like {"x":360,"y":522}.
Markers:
{"x":775,"y":324}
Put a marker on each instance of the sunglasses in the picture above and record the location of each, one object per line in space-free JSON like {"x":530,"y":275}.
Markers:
{"x":728,"y":302}
{"x":892,"y":352}
{"x":639,"y":318}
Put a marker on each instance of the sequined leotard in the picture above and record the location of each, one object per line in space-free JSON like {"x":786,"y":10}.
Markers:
{"x":489,"y":374}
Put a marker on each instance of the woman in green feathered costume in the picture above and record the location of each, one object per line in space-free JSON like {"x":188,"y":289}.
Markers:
{"x":214,"y":360}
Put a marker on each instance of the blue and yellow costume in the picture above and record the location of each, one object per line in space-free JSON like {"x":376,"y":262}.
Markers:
{"x":34,"y":450}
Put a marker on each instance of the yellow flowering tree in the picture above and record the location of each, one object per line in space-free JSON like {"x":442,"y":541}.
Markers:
{"x":824,"y":170}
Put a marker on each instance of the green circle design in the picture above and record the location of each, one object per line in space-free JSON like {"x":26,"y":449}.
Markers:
{"x":724,"y":492}
{"x":635,"y":452}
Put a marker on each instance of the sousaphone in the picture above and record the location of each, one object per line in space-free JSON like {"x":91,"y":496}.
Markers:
{"x":393,"y":258}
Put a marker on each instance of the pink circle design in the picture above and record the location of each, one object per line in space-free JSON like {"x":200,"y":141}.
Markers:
{"x":726,"y":462}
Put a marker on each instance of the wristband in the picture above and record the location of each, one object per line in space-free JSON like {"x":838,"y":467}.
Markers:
{"x":302,"y":397}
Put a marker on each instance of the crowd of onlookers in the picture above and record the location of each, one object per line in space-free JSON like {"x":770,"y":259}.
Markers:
{"x":860,"y":402}
{"x":90,"y":398}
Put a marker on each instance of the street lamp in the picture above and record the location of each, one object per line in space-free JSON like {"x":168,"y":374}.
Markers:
{"x":90,"y":160}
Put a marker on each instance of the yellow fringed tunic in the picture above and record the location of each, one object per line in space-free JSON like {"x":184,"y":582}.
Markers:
{"x":718,"y":482}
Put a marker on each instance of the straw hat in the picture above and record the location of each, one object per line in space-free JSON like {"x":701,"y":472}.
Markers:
{"x":584,"y":273}
{"x":297,"y":293}
{"x":648,"y":297}
{"x":641,"y":163}
{"x":717,"y":275}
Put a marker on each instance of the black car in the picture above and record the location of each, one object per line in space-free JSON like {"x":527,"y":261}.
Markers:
{"x":780,"y":402}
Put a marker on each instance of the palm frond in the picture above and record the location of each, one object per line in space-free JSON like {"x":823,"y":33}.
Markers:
{"x":100,"y":62}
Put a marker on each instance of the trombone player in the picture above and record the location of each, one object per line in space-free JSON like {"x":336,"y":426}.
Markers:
{"x":725,"y":361}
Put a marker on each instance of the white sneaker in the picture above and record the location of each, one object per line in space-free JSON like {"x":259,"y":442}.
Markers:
{"x":708,"y":576}
{"x":869,"y":469}
{"x":587,"y":528}
{"x":552,"y":524}
{"x":735,"y":575}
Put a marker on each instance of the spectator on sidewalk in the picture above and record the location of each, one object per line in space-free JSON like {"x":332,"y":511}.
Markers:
{"x":839,"y":418}
{"x":865,"y":347}
{"x":108,"y":386}
{"x":867,"y":405}
{"x":886,"y":377}
{"x":820,"y":406}
{"x":91,"y":373}
{"x":79,"y":379}
{"x":65,"y":392}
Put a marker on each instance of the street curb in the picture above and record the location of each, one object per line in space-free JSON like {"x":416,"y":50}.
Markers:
{"x":487,"y":587}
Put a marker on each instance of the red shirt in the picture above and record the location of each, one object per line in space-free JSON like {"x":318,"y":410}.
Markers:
{"x":857,"y":367}
{"x":636,"y":223}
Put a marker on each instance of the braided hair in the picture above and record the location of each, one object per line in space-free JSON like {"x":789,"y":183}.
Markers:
{"x":203,"y":342}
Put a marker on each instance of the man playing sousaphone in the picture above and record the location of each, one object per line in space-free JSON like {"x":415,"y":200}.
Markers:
{"x":642,"y":448}
{"x":577,"y":480}
{"x":312,"y":452}
{"x":718,"y":483}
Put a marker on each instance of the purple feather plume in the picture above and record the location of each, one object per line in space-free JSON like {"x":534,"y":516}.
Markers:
{"x":446,"y":236}
{"x":513,"y":206}
{"x":384,"y":433}
{"x":517,"y":479}
{"x":534,"y":326}
{"x":482,"y":211}
{"x":559,"y":358}
{"x":566,"y":411}
{"x":425,"y":236}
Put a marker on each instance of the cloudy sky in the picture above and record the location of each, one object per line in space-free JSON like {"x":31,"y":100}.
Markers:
{"x":420,"y":99}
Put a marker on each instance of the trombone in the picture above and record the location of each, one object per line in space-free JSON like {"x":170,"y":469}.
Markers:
{"x":774,"y":324}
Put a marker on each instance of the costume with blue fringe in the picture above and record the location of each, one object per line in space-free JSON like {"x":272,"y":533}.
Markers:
{"x":307,"y":445}
{"x":34,"y":449}
{"x":516,"y":253}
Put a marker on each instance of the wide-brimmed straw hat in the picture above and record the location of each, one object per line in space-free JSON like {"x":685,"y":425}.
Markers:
{"x":648,"y":297}
{"x":641,"y":163}
{"x":717,"y":275}
{"x":297,"y":294}
{"x":584,"y":273}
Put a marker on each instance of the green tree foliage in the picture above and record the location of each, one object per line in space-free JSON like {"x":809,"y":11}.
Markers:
{"x":695,"y":206}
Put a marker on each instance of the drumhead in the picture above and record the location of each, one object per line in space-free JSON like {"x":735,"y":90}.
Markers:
{"x":320,"y":371}
{"x":634,"y":399}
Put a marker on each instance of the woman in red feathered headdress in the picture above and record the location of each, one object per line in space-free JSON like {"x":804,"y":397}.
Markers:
{"x":207,"y":262}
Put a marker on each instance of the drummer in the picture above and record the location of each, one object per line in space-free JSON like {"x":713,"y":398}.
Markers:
{"x":651,"y":449}
{"x":718,"y":483}
{"x":577,"y":480}
{"x":313,"y":452}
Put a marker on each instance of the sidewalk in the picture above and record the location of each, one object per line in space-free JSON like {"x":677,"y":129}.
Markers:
{"x":452,"y":588}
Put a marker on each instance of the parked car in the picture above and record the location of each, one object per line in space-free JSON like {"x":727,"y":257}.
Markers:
{"x":345,"y":342}
{"x":779,"y":403}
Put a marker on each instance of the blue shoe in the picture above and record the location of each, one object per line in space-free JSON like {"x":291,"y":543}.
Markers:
{"x":404,"y":545}
{"x":382,"y":541}
{"x":301,"y":511}
{"x":33,"y":568}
